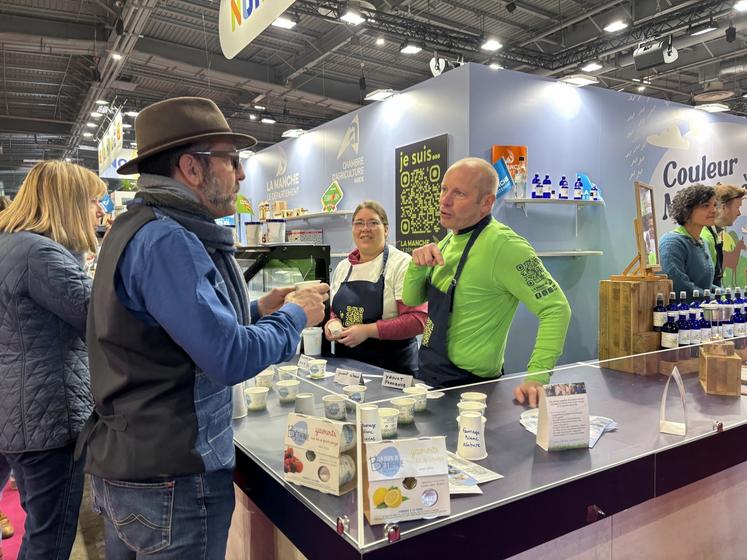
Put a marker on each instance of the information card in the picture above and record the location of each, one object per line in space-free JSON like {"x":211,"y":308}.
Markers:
{"x":563,"y":417}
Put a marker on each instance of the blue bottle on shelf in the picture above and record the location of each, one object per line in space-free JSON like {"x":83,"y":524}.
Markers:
{"x":660,"y":313}
{"x":670,"y":332}
{"x":563,"y":188}
{"x":536,"y":186}
{"x":594,"y":192}
{"x":546,"y":187}
{"x":672,"y":305}
{"x":578,"y":189}
{"x":705,"y":328}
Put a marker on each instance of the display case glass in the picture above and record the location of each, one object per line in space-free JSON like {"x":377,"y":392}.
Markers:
{"x":632,"y":401}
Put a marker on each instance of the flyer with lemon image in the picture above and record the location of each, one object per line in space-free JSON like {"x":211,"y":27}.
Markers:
{"x":406,"y":479}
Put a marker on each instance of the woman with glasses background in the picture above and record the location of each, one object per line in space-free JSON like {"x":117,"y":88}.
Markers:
{"x":368,"y":321}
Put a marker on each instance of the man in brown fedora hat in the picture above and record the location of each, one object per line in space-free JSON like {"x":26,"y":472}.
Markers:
{"x":170,"y":330}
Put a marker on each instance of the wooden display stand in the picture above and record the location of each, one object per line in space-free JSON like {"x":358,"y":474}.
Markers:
{"x":626,"y":322}
{"x":720,"y":369}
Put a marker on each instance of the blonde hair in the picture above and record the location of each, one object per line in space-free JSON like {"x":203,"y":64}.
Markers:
{"x":54,"y":201}
{"x":376,"y":207}
{"x":726,"y":193}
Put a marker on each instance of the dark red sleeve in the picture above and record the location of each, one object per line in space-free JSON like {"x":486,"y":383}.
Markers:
{"x":410,"y":322}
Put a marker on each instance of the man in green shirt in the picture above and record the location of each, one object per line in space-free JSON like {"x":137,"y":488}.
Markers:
{"x":472,"y":301}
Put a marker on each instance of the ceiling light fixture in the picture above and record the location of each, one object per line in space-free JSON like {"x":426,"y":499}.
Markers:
{"x":491,"y":45}
{"x":352,"y":14}
{"x":615,"y":26}
{"x":293,"y":133}
{"x":592,"y":66}
{"x":495,"y":66}
{"x":260,"y":107}
{"x":410,"y":47}
{"x":102,"y":102}
{"x":268,"y":119}
{"x":380,"y":41}
{"x":133,"y":144}
{"x":703,"y":28}
{"x":381,"y":94}
{"x":96,"y":114}
{"x":116,"y":56}
{"x":252,"y":117}
{"x":713,"y":107}
{"x":132,"y":113}
{"x":741,"y":6}
{"x":284,"y":22}
{"x":125,"y":125}
{"x":579,"y":80}
{"x":91,"y":125}
{"x":88,"y":134}
{"x":641,"y":88}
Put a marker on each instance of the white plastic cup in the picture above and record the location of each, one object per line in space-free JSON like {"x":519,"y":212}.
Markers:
{"x":253,"y":233}
{"x":317,"y":369}
{"x":305,"y":403}
{"x":406,"y":408}
{"x":239,"y":403}
{"x":472,"y":406}
{"x":356,"y":393}
{"x":264,"y":378}
{"x":347,"y":469}
{"x":471,"y":441}
{"x":287,"y":372}
{"x":474,"y":396}
{"x":334,"y":407}
{"x":420,"y":396}
{"x":312,"y":341}
{"x":276,"y":231}
{"x":370,"y":423}
{"x":256,"y":398}
{"x":389,"y":418}
{"x":287,"y":390}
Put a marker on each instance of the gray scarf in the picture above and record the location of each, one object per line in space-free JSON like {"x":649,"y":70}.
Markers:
{"x":179,"y":203}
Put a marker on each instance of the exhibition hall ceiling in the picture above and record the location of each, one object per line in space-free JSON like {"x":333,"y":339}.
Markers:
{"x":58,"y":57}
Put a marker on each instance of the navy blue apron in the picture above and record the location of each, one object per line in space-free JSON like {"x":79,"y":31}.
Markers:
{"x":362,"y":302}
{"x":435,"y":367}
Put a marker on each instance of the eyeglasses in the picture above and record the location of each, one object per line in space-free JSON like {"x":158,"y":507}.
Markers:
{"x":363,"y":223}
{"x":233,"y":155}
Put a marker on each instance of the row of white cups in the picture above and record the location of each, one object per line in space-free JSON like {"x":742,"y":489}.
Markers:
{"x":377,"y":423}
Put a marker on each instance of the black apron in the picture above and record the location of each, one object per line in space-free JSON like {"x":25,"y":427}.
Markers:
{"x":435,"y":367}
{"x":362,"y":302}
{"x":718,"y":266}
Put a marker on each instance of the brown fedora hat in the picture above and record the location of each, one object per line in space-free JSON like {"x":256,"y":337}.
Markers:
{"x":178,"y":122}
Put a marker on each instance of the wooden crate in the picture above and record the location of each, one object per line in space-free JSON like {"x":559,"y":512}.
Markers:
{"x":626,"y":323}
{"x":720,"y":369}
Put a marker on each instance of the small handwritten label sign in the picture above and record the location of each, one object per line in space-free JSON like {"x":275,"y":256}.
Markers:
{"x":303,"y":362}
{"x":348,"y":377}
{"x":396,"y":380}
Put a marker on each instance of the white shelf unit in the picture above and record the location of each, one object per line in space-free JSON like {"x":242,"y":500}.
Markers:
{"x":522,"y":203}
{"x":319,"y":216}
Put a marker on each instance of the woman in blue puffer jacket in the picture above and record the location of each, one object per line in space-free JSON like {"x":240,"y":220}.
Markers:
{"x":46,"y":396}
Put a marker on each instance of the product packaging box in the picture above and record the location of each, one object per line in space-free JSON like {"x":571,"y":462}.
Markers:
{"x":406,"y":479}
{"x":320,"y":454}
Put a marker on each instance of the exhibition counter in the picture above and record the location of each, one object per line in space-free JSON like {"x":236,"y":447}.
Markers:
{"x":542,"y":495}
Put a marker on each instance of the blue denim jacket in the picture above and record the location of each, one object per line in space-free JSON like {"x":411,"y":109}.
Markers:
{"x":166,"y":277}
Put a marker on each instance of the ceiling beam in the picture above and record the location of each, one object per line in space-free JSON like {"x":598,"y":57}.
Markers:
{"x":30,"y":125}
{"x":52,"y":36}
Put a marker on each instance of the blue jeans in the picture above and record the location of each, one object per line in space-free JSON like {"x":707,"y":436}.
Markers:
{"x":172,"y":518}
{"x":50,"y":483}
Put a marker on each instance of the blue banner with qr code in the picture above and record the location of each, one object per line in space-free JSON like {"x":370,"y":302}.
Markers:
{"x":419,"y":169}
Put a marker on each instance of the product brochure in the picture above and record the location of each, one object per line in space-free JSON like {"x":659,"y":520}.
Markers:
{"x":464,"y":475}
{"x":597,"y":425}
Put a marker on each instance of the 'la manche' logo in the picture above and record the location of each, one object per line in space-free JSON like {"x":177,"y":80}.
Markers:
{"x":351,"y":139}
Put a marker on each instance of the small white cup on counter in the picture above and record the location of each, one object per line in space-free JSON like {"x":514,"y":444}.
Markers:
{"x":256,"y":398}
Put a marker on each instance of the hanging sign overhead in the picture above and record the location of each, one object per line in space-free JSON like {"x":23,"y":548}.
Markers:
{"x":241,"y":21}
{"x":111,"y":144}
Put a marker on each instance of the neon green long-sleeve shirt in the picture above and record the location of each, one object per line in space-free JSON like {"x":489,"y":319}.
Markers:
{"x":502,"y":270}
